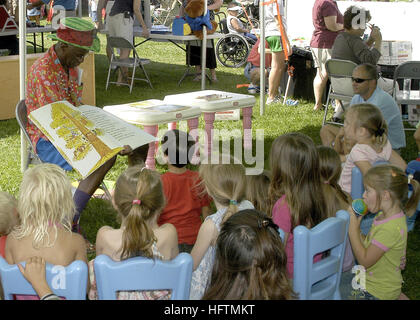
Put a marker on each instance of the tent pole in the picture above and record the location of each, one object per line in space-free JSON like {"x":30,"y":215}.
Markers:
{"x":22,"y":78}
{"x":262,"y":59}
{"x":203,"y":52}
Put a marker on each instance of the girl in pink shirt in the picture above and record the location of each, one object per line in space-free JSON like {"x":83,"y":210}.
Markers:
{"x":365,"y":124}
{"x":296,"y":190}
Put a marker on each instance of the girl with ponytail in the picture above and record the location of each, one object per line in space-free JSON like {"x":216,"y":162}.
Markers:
{"x":365,"y":124}
{"x":139,"y":199}
{"x":225,"y":184}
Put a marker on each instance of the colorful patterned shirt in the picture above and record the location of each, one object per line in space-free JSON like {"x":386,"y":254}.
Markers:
{"x":48,"y":82}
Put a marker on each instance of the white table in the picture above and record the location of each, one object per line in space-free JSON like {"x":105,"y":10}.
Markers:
{"x":151,"y":113}
{"x":222,"y":101}
{"x":412,"y":98}
{"x":176,"y":40}
{"x":34,"y":31}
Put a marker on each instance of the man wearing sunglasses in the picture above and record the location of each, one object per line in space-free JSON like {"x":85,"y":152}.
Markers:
{"x":366,"y":90}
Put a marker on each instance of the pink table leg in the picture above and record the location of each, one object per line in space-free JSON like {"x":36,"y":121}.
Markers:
{"x":171,"y":125}
{"x":150,"y":161}
{"x":192,"y":126}
{"x":209,"y":119}
{"x":247,"y":125}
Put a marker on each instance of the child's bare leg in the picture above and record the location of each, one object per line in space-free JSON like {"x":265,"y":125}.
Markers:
{"x":403,"y":297}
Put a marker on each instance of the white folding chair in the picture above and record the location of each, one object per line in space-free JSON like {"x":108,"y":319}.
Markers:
{"x":134,"y":62}
{"x":339,"y":73}
{"x":406,"y":70}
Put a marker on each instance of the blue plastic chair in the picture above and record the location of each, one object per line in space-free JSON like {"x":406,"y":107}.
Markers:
{"x":357,"y":187}
{"x":320,"y":280}
{"x":68,"y":282}
{"x":140,"y":273}
{"x":281,"y":233}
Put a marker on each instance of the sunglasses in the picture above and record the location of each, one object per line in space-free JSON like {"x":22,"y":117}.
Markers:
{"x":359,"y":80}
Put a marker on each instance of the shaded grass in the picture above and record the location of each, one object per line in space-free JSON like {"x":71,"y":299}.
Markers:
{"x":167,"y":67}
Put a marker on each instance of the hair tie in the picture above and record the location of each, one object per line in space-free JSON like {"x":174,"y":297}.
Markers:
{"x":410,"y":176}
{"x":234,"y":202}
{"x":263,"y":223}
{"x":379,"y":132}
{"x":137,"y":201}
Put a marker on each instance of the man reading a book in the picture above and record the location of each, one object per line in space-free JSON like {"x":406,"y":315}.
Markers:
{"x":55,"y":77}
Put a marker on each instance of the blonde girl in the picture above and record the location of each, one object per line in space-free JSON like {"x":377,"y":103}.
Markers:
{"x":225,"y":183}
{"x":365,"y":124}
{"x":382,"y":252}
{"x":139,"y":199}
{"x":46,"y":209}
{"x":8,"y":218}
{"x":257,"y":191}
{"x":296,"y":191}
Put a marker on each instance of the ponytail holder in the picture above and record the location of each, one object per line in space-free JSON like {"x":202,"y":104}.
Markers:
{"x":137,"y":201}
{"x":234,"y":202}
{"x":263,"y":223}
{"x":410,"y":176}
{"x":379,"y":132}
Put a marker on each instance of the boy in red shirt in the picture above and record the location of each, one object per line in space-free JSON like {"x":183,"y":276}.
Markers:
{"x":185,"y":201}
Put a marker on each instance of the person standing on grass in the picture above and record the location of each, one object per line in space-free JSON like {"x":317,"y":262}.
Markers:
{"x":328,"y":21}
{"x":121,"y":24}
{"x":55,"y":77}
{"x":273,"y":37}
{"x":194,"y":52}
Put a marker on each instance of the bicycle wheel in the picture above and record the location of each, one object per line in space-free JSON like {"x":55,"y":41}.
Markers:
{"x":232,"y":50}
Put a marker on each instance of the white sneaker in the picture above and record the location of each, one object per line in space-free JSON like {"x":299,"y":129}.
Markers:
{"x":272,"y":101}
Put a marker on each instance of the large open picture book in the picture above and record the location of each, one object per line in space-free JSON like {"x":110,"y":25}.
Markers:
{"x":86,"y":136}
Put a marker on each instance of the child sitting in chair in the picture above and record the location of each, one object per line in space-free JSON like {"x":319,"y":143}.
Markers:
{"x":252,"y":68}
{"x":234,"y":24}
{"x":8,"y":218}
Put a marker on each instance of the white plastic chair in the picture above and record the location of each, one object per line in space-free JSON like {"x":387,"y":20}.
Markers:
{"x":406,"y":70}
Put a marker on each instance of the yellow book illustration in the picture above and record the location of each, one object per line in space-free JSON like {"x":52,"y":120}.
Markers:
{"x":86,"y":136}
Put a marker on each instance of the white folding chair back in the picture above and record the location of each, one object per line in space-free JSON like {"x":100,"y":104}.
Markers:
{"x":407,"y":70}
{"x":340,"y":73}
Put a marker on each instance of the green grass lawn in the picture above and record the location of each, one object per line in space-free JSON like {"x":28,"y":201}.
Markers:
{"x":167,"y":67}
